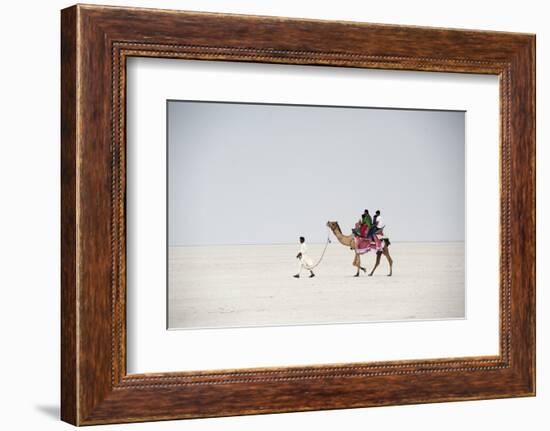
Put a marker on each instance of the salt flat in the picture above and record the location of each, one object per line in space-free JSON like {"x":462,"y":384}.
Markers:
{"x":252,"y":285}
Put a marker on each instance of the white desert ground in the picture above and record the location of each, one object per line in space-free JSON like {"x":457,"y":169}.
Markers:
{"x":252,"y":285}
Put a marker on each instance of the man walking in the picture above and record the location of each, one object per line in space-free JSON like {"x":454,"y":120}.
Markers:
{"x":304,"y":261}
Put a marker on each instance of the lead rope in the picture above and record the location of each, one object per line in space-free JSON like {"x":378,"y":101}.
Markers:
{"x":322,"y":254}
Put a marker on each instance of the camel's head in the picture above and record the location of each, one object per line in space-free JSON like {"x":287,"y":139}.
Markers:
{"x":332,"y":225}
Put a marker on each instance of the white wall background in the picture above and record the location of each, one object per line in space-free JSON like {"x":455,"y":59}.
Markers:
{"x":29,"y":227}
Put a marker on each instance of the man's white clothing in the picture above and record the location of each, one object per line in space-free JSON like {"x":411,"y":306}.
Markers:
{"x":380,"y":223}
{"x":305,"y":261}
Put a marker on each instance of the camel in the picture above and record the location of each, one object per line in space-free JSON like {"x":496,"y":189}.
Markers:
{"x":349,"y":241}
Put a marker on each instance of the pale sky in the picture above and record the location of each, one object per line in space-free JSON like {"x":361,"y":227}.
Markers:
{"x":265,"y":174}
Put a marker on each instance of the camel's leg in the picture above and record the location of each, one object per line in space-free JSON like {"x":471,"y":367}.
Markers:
{"x":390,"y":260}
{"x":357,"y":264}
{"x":378,"y":255}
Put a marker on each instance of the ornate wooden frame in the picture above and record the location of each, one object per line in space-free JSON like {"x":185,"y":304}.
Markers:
{"x":95,"y":43}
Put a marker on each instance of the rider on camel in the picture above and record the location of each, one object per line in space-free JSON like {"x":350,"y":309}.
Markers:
{"x":366,"y":223}
{"x":376,"y":228}
{"x":363,"y":225}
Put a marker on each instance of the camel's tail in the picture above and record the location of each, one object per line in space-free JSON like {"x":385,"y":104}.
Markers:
{"x":387,"y":241}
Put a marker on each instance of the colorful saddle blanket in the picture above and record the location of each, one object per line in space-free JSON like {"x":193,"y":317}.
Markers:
{"x":364,"y":245}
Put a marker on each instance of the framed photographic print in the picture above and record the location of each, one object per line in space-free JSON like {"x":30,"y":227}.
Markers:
{"x":265,"y":214}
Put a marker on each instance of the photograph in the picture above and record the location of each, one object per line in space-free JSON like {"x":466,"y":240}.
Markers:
{"x":283,"y":214}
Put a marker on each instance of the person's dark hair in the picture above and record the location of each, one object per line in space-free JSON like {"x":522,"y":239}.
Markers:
{"x":377,"y":212}
{"x":366,"y":211}
{"x":302,"y":239}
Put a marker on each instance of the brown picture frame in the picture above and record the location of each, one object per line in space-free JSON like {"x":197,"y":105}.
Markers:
{"x":95,"y":43}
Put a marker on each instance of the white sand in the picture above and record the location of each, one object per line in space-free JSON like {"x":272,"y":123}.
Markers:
{"x":228,"y":286}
